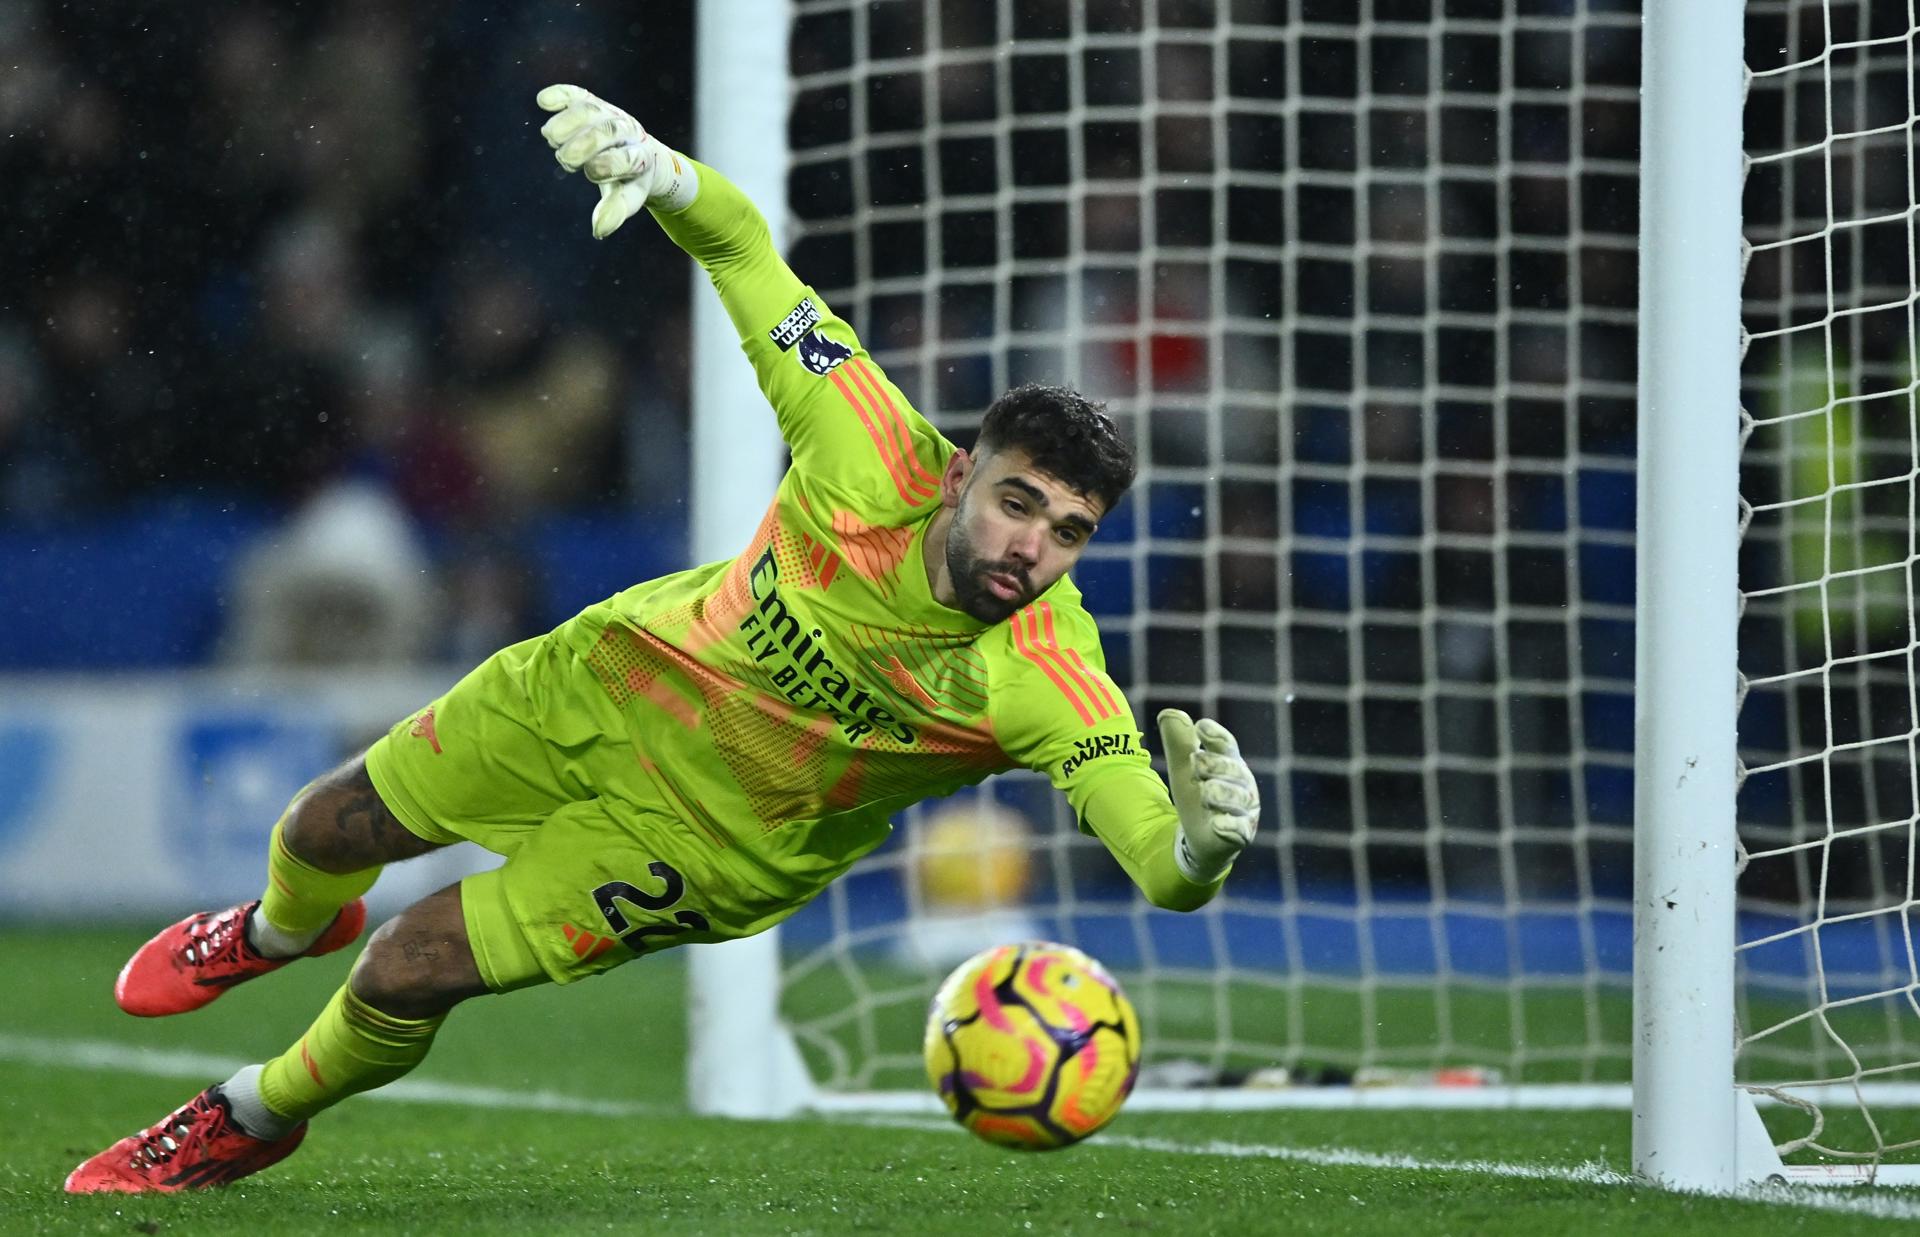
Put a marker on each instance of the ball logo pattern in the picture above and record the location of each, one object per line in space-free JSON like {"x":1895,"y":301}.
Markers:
{"x":1032,"y":1046}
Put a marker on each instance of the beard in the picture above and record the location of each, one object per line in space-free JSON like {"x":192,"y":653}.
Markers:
{"x":969,"y":572}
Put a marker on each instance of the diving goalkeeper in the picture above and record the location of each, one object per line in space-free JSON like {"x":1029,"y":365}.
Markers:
{"x":698,"y":756}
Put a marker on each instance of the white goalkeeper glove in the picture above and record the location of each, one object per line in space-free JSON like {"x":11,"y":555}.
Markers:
{"x":632,"y":167}
{"x":1213,"y":791}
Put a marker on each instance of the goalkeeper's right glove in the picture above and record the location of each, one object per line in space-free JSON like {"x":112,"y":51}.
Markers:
{"x":631,"y":166}
{"x":1213,"y":792}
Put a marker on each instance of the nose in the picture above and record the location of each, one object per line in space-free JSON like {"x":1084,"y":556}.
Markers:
{"x":1025,"y":546}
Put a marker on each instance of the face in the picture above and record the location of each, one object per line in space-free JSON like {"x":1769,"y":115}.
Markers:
{"x":1015,"y":531}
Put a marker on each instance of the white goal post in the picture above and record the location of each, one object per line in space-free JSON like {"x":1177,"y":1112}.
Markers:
{"x":739,"y":1057}
{"x":1684,"y":1111}
{"x":1358,"y":279}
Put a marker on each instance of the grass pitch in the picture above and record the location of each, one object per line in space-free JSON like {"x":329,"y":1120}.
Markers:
{"x":560,"y":1111}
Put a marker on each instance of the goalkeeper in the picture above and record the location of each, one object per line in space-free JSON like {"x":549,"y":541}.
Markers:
{"x":698,"y":756}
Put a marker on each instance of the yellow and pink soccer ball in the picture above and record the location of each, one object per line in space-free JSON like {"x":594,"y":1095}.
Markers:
{"x":1032,"y":1046}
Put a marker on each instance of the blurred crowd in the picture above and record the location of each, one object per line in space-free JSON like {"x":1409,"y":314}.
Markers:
{"x":281,"y":254}
{"x":316,"y":256}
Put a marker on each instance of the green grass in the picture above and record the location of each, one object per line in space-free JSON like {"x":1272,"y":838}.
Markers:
{"x":388,"y":1167}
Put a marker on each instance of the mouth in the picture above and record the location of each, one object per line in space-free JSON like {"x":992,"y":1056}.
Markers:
{"x":1003,"y":586}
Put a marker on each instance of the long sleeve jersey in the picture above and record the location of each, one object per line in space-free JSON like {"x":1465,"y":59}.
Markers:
{"x":789,"y":700}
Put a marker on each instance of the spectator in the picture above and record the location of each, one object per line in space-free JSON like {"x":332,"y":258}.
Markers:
{"x":534,"y":401}
{"x":344,"y":583}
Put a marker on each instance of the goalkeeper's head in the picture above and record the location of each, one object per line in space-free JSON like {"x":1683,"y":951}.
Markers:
{"x":1047,"y":467}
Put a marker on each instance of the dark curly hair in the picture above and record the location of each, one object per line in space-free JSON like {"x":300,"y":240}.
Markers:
{"x":1066,"y":435}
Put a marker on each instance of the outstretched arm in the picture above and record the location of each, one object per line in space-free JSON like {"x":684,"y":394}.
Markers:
{"x":849,"y":427}
{"x":703,"y":211}
{"x":1176,"y":841}
{"x":1055,"y":710}
{"x":1213,"y":793}
{"x":1128,"y":810}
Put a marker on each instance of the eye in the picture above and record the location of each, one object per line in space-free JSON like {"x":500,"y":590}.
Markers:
{"x":1013,"y":506}
{"x":1067,"y":535}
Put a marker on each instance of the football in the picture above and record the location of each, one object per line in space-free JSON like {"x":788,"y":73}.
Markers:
{"x":1032,"y":1046}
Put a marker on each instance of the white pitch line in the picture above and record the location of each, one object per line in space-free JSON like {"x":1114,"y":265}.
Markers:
{"x":173,"y":1063}
{"x":205,"y":1068}
{"x":1857,"y":1202}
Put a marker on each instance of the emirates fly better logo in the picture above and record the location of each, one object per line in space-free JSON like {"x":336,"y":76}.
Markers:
{"x":803,"y":671}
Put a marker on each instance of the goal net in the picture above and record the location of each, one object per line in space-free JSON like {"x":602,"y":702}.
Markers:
{"x":1358,"y":280}
{"x":1827,"y":807}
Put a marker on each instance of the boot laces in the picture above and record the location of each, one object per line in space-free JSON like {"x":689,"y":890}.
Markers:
{"x":219,"y":939}
{"x":177,"y":1132}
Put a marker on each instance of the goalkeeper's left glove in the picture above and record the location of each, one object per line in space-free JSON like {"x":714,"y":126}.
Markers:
{"x":1213,"y":792}
{"x":631,"y":166}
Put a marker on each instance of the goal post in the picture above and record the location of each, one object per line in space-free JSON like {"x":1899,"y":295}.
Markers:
{"x":1686,"y":673}
{"x":740,"y":1059}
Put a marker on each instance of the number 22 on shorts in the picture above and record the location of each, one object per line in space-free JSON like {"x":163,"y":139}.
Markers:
{"x":636,"y":936}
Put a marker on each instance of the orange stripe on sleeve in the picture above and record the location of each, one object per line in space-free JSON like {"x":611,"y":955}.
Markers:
{"x":882,"y":442}
{"x":1050,"y":647}
{"x":1027,"y":642}
{"x":919,"y":478}
{"x":1094,"y":678}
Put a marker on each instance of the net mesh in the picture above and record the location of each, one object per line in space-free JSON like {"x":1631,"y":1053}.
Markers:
{"x":1358,"y":278}
{"x":1827,"y":804}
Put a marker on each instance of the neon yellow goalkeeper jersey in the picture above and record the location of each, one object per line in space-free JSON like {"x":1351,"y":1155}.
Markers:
{"x":789,"y":700}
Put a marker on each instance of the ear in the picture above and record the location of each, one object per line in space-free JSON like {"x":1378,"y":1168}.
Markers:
{"x":954,"y":479}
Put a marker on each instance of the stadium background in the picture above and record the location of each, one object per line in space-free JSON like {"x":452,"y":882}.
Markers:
{"x":256,"y":252}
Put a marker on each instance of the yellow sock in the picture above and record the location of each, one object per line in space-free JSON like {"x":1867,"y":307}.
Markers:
{"x":352,"y":1047}
{"x":300,"y":898}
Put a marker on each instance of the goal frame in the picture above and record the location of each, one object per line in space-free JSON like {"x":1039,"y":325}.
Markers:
{"x":741,"y":1059}
{"x":1686,"y":594}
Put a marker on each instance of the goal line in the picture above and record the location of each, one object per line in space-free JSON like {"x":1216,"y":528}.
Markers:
{"x":1541,"y":1097}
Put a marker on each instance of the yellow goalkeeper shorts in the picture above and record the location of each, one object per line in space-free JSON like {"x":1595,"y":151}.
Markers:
{"x":528,"y":757}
